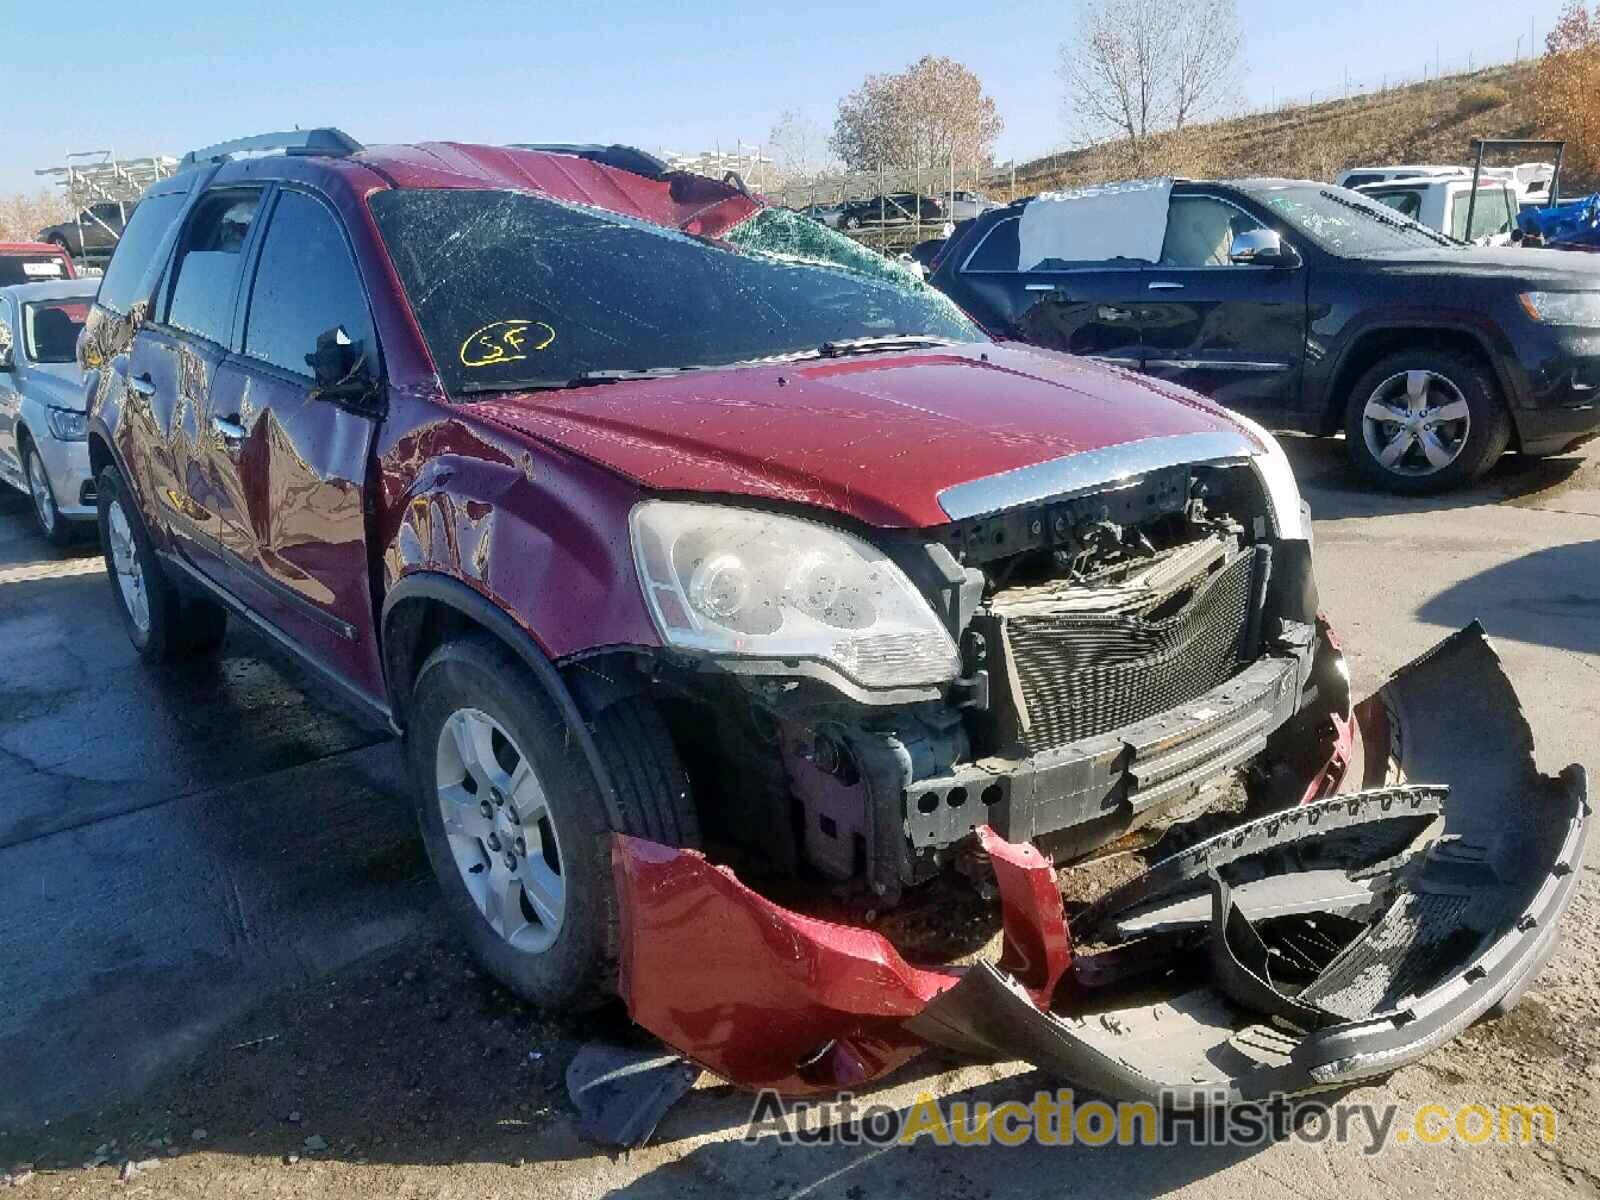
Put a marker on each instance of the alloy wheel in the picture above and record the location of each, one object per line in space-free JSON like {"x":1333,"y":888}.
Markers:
{"x":1416,"y":423}
{"x":125,"y":562}
{"x":500,"y":829}
{"x":44,"y":504}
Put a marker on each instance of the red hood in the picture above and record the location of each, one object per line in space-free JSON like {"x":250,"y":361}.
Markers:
{"x":876,"y":438}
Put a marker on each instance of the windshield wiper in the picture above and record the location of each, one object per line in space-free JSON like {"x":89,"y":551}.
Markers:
{"x":1395,"y":222}
{"x":478,"y":387}
{"x":873,"y":344}
{"x":834,"y":349}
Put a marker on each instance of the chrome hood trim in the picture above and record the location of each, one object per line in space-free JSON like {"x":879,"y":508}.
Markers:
{"x":1090,"y":471}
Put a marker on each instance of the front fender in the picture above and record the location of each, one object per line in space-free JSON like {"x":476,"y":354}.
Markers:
{"x":541,"y":535}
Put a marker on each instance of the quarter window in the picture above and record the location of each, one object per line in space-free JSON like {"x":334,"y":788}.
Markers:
{"x":999,"y":249}
{"x":305,"y":286}
{"x":206,"y":272}
{"x":137,"y":246}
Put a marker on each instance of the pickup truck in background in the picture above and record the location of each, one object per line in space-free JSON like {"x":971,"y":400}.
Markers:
{"x":92,"y":235}
{"x":1444,"y":203}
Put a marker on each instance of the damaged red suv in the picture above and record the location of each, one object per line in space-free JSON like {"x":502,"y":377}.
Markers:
{"x":728,"y":586}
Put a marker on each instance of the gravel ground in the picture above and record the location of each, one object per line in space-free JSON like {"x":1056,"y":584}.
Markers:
{"x":406,"y":1073}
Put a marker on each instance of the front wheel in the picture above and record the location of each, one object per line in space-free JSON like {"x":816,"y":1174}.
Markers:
{"x":52,"y":525}
{"x":515,"y":825}
{"x":1425,"y":421}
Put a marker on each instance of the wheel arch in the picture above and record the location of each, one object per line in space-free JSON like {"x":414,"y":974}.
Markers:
{"x":100,"y":455}
{"x":1376,"y":343}
{"x":426,"y":608}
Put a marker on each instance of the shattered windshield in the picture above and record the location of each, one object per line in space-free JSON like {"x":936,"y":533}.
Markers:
{"x":1343,"y":222}
{"x":512,"y":290}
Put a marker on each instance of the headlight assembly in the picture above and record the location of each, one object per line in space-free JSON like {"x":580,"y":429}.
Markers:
{"x":1277,"y":478}
{"x":67,"y":425}
{"x":751,"y":584}
{"x":1563,"y":308}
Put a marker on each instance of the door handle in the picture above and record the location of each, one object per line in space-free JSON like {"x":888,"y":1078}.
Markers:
{"x":1040,"y":287}
{"x":229,"y":428}
{"x":1165,"y":285}
{"x":143,"y":384}
{"x":1107,"y":313}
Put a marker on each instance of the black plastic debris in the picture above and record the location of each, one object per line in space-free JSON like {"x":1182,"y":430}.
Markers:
{"x":622,"y":1092}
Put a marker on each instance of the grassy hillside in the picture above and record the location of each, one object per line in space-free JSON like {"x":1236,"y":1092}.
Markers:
{"x":1431,"y":122}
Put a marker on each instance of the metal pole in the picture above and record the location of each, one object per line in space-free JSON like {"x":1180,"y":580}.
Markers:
{"x":1472,"y":200}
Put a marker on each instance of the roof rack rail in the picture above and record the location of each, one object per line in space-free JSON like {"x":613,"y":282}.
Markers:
{"x":623,"y":158}
{"x":333,"y":142}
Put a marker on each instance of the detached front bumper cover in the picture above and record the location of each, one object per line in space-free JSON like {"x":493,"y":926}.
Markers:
{"x":1312,"y":948}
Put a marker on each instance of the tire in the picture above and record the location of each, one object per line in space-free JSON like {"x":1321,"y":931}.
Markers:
{"x":486,"y":743}
{"x":163,"y":624}
{"x":53,"y":527}
{"x":1437,"y":450}
{"x":852,"y":222}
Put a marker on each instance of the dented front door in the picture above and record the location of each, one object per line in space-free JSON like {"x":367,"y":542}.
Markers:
{"x":293,"y":465}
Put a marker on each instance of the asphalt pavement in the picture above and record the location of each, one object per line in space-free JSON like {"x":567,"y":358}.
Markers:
{"x":190,"y":856}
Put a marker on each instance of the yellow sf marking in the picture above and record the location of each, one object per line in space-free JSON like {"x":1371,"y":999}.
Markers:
{"x":504,"y":341}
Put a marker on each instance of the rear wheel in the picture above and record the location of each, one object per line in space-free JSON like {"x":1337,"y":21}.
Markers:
{"x":52,"y":525}
{"x":514,"y":822}
{"x":162,"y":623}
{"x":1426,"y":420}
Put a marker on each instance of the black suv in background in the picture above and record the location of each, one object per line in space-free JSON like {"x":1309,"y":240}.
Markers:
{"x":896,"y":208}
{"x":1307,"y":306}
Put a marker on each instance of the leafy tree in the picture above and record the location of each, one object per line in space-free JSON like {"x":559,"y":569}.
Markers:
{"x":1567,"y":86}
{"x":928,"y":115}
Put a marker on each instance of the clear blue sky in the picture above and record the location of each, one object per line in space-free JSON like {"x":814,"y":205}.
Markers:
{"x":160,"y":75}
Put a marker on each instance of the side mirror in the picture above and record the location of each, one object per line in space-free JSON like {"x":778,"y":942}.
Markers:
{"x":1262,"y":248}
{"x":341,"y":369}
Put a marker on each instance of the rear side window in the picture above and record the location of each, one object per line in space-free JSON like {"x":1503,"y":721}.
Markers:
{"x":137,"y":246}
{"x":1407,"y":203}
{"x":210,"y":256}
{"x":305,"y":286}
{"x":999,"y":250}
{"x":31,"y":268}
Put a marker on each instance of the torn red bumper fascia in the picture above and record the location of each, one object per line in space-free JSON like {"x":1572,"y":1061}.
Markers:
{"x":1336,"y":739}
{"x":768,"y":998}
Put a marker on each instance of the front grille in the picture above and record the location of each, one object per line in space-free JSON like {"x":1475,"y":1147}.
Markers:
{"x":1086,"y":674}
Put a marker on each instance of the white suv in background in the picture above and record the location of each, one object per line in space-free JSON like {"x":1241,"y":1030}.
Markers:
{"x":1445,"y":203}
{"x":43,"y":422}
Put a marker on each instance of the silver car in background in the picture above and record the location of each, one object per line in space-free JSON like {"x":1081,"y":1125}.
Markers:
{"x":964,"y":205}
{"x":43,"y":418}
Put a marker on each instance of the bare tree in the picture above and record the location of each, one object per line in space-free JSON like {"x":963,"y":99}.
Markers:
{"x":928,"y":115}
{"x":1134,"y":68}
{"x":796,"y":145}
